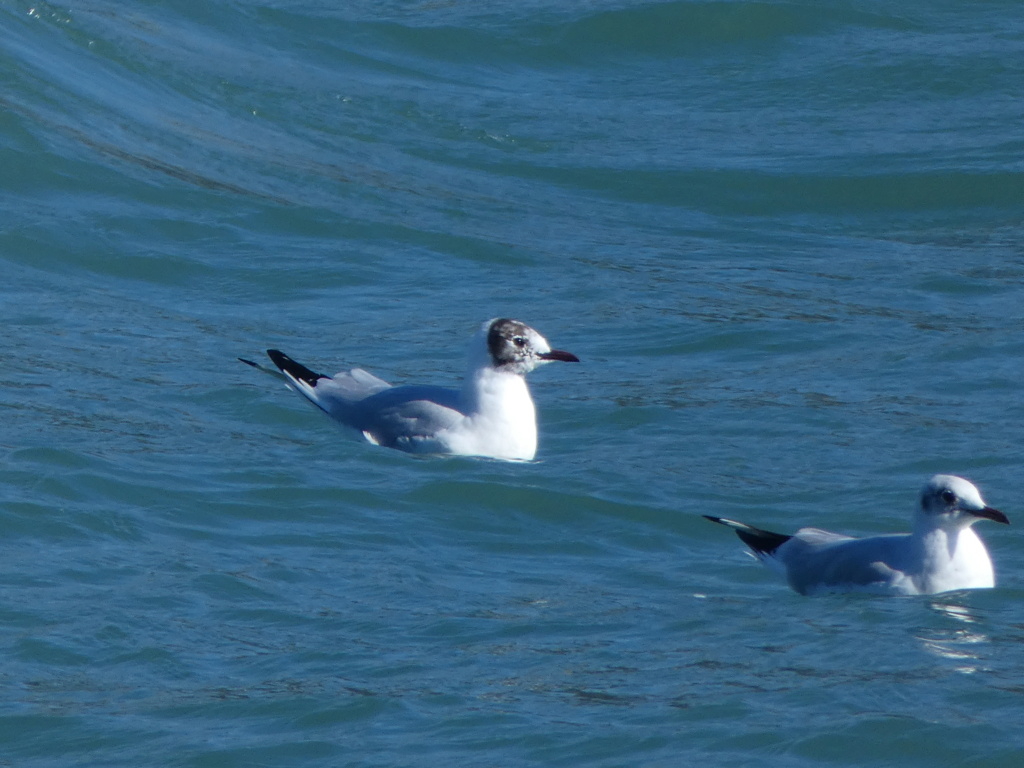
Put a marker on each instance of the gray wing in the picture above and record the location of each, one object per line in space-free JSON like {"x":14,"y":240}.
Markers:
{"x":821,"y":561}
{"x":349,"y":386}
{"x":332,"y":394}
{"x":408,"y":418}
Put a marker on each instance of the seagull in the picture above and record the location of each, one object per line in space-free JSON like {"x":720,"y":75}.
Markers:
{"x":492,"y":415}
{"x":943,"y":552}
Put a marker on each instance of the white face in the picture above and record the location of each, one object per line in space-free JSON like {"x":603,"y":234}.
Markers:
{"x":955,"y":501}
{"x":516,"y":347}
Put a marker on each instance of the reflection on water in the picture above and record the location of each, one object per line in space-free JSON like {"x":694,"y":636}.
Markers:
{"x":958,"y":643}
{"x":954,"y":611}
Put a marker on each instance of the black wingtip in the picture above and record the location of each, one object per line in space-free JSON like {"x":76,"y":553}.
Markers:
{"x":294,"y":369}
{"x":765,"y":542}
{"x":761,"y":541}
{"x":249,"y":362}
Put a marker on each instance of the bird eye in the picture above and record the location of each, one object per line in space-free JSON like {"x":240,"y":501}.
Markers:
{"x":519,"y":341}
{"x":948,"y":496}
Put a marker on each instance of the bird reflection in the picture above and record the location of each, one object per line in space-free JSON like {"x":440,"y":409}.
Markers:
{"x":958,"y":643}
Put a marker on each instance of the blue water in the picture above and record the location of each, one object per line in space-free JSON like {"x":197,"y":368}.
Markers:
{"x":784,"y":237}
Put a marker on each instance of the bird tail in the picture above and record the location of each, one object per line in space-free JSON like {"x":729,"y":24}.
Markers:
{"x":271,"y":371}
{"x":298,"y":377}
{"x":761,"y":541}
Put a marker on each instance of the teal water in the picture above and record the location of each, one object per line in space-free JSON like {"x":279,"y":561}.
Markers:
{"x":784,"y":237}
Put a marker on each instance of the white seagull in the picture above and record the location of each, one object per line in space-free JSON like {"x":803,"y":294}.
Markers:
{"x":942,"y":553}
{"x":492,"y":415}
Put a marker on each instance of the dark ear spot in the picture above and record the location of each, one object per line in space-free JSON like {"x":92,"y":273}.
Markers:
{"x":496,"y":337}
{"x":505,"y":339}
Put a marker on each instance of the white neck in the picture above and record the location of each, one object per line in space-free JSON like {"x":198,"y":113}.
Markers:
{"x":491,"y":392}
{"x":952,"y":558}
{"x":500,"y":414}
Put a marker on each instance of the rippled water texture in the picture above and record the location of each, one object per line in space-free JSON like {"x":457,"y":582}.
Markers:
{"x":783,"y":237}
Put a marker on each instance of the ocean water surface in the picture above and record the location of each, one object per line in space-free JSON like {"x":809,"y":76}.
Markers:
{"x":785,"y":238}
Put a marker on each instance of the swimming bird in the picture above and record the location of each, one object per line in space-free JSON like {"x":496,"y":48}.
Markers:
{"x":492,"y":415}
{"x":942,"y":553}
